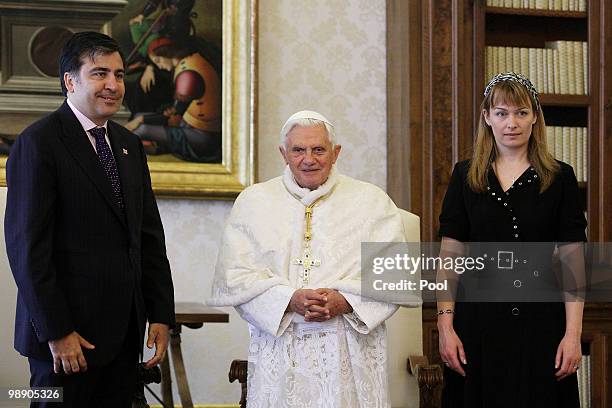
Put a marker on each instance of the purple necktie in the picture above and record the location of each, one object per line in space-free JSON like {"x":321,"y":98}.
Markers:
{"x":108,"y":163}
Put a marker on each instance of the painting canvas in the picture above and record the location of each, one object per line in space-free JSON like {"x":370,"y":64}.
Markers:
{"x":190,"y":82}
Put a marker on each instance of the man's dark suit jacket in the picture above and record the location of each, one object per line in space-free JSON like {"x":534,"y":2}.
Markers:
{"x":79,"y":261}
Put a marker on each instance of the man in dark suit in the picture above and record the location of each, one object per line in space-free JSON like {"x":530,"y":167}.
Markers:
{"x":85,"y":240}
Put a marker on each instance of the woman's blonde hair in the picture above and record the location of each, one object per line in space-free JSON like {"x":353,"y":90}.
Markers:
{"x":485,"y":151}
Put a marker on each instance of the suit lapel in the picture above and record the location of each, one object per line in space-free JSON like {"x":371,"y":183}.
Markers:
{"x":80,"y":148}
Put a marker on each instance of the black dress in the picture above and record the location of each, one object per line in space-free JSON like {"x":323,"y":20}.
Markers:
{"x":511,"y":347}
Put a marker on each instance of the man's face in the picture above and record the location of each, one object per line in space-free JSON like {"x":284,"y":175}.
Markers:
{"x":310,"y":155}
{"x":97,"y":91}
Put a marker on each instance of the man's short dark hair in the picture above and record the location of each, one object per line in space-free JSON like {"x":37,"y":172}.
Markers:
{"x":84,"y":44}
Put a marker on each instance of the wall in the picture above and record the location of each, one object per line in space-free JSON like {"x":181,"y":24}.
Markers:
{"x":323,"y":55}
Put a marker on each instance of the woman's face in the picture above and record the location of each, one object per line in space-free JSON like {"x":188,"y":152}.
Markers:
{"x":162,"y":62}
{"x":511,"y":125}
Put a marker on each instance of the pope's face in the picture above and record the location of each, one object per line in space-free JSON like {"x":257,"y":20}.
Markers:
{"x":310,"y":155}
{"x":98,"y":89}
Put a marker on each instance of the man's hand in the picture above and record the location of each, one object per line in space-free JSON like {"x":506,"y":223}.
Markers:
{"x":133,"y":124}
{"x":67,"y":352}
{"x":335,"y":305}
{"x":158,"y":336}
{"x":147,"y":79}
{"x":303,"y":299}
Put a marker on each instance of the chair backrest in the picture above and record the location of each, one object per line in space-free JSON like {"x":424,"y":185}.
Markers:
{"x":405,"y":333}
{"x":412,"y":226}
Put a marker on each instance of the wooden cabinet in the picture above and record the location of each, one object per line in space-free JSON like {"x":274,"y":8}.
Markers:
{"x":436,"y":77}
{"x":435,"y":80}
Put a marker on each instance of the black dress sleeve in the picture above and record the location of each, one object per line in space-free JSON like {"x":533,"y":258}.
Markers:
{"x":454,"y":222}
{"x":572,"y":222}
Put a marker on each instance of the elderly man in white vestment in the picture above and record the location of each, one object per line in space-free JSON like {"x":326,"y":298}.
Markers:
{"x":290,"y":265}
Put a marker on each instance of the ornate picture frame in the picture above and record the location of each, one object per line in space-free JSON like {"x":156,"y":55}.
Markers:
{"x":24,"y":98}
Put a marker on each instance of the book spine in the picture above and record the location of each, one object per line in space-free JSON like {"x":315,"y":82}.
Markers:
{"x":539,"y":69}
{"x":516,"y":59}
{"x":563,"y":67}
{"x":509,"y":58}
{"x":558,"y":143}
{"x":579,"y":156}
{"x":565,"y":5}
{"x":525,"y":61}
{"x":585,"y":150}
{"x":573,"y":149}
{"x":579,"y":67}
{"x":585,"y":63}
{"x":550,"y":140}
{"x":501,"y":58}
{"x":489,"y":60}
{"x":571,"y":67}
{"x":550,"y":71}
{"x":533,"y":68}
{"x":566,"y":144}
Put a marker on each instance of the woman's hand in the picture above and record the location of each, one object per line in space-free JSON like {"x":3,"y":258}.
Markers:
{"x":451,"y":347}
{"x":147,"y":80}
{"x":569,"y":354}
{"x":133,"y":124}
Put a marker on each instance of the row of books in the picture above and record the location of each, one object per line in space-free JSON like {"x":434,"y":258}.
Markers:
{"x":562,"y":5}
{"x":569,"y":144}
{"x":560,"y":68}
{"x":584,"y":382}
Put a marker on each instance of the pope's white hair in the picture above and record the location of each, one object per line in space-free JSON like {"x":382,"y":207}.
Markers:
{"x":306,"y":122}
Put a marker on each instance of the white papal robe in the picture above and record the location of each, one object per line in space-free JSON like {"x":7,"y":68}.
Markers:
{"x":292,"y":363}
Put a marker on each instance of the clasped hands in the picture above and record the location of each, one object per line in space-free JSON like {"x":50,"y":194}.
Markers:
{"x":318,"y":305}
{"x":68,"y":354}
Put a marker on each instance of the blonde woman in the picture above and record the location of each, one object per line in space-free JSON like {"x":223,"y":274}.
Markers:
{"x":512,"y":190}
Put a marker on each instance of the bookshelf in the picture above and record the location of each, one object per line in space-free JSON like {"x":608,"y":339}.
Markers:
{"x":435,"y":79}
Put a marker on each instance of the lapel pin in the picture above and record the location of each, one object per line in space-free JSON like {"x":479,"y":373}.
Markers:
{"x":125,"y":151}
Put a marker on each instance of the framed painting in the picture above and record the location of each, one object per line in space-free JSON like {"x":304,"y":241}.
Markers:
{"x":190,"y":82}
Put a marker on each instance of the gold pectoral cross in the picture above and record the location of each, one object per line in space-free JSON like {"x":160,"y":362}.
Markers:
{"x":307,"y":262}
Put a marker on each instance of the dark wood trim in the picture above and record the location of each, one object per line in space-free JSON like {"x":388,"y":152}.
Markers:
{"x":581,"y":101}
{"x":534,"y":12}
{"x":403,"y":118}
{"x":435,"y":81}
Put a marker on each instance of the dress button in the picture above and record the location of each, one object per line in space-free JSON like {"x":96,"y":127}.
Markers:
{"x":498,"y":198}
{"x":515,"y":227}
{"x":520,"y":184}
{"x":492,"y":193}
{"x":513,"y":218}
{"x":515,"y":235}
{"x":516,"y":311}
{"x":505,"y":204}
{"x":536,"y":273}
{"x":507,"y":193}
{"x":517,"y":283}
